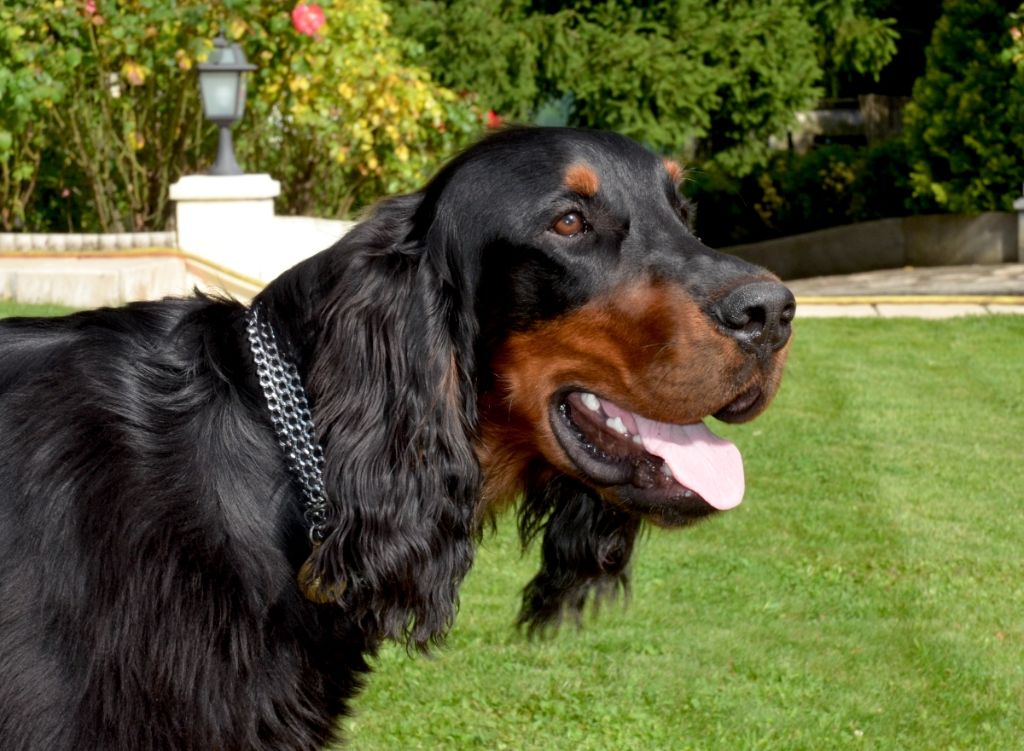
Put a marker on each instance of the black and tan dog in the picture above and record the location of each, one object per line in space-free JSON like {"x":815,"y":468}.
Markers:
{"x":538,"y":323}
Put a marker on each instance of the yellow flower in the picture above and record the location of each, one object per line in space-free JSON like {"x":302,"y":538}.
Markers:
{"x":183,"y":60}
{"x":133,"y":73}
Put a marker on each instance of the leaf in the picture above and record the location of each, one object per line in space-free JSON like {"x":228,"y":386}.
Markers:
{"x":73,"y":57}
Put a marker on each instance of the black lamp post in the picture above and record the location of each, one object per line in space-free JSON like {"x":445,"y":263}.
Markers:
{"x":222,"y":86}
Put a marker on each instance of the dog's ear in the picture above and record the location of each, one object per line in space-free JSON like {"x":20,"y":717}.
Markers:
{"x":585,"y":551}
{"x":394,"y":404}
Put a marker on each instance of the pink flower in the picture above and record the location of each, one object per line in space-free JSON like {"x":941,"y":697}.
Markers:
{"x":493,"y":119}
{"x":90,"y":7}
{"x":307,"y":18}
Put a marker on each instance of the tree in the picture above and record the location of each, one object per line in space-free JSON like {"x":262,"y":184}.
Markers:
{"x":851,"y":41}
{"x":963,"y":125}
{"x":713,"y":79}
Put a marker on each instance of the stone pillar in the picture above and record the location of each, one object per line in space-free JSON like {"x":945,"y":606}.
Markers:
{"x":228,"y":220}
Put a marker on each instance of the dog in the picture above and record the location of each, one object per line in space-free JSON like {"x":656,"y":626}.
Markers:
{"x":211,"y":514}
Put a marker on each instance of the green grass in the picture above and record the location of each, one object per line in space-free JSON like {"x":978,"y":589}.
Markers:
{"x":9,"y":308}
{"x":868,"y":594}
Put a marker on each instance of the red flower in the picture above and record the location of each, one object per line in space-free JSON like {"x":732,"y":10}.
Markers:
{"x":90,"y":7}
{"x":307,"y":18}
{"x":493,"y":119}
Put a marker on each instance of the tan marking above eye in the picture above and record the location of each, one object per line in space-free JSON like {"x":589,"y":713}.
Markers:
{"x":675,"y":172}
{"x":570,"y":224}
{"x":582,"y":180}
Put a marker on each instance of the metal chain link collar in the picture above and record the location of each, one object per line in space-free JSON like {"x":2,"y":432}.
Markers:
{"x":292,"y":420}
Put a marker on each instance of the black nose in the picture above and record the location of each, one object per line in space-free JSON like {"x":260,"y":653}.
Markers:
{"x":759,"y":315}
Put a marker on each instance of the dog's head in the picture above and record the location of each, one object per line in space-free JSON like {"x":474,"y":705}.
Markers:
{"x":609,"y":332}
{"x":544,"y":305}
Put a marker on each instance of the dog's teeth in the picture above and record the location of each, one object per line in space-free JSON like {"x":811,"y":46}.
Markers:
{"x":665,"y":470}
{"x":590,"y":401}
{"x":616,"y":423}
{"x":638,"y":440}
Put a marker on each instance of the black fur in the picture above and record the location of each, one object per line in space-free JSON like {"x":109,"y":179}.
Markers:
{"x":585,"y":551}
{"x":150,"y":532}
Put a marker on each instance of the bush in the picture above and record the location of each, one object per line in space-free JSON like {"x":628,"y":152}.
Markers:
{"x":26,"y":91}
{"x":964,"y":123}
{"x":338,"y":116}
{"x":829,"y":186}
{"x":99,"y":108}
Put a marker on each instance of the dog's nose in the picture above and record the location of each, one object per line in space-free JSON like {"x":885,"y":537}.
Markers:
{"x":759,"y":314}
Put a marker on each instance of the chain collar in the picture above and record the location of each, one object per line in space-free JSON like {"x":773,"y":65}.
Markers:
{"x":292,"y":420}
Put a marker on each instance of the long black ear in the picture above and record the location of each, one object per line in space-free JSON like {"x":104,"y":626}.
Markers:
{"x":585,"y":551}
{"x":394,"y":403}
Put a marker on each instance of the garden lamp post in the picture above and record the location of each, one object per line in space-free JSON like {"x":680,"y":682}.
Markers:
{"x":222,"y":86}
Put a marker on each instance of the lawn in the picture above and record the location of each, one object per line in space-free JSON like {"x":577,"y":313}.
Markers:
{"x":868,"y":594}
{"x":9,"y":308}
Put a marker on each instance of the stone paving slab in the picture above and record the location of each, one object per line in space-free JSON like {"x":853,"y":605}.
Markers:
{"x":930,"y":311}
{"x":996,"y":279}
{"x":919,"y":292}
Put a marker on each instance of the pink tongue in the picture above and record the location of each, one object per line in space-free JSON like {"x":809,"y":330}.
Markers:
{"x":699,"y":460}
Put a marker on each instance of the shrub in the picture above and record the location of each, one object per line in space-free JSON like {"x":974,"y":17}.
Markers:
{"x":829,"y":186}
{"x":100,"y":103}
{"x":964,"y":123}
{"x":26,"y":91}
{"x":337,"y":115}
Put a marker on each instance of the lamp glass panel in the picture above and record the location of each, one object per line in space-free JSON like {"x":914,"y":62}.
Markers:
{"x":220,"y":92}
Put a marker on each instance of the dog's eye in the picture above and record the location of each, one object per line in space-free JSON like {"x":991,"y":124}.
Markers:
{"x":570,"y":224}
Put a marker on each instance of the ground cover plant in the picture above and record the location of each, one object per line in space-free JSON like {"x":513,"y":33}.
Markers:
{"x":867,"y":594}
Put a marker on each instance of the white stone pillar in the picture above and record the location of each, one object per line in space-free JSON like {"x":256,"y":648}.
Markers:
{"x":228,"y":219}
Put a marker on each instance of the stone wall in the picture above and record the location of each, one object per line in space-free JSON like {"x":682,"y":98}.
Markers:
{"x":937,"y":240}
{"x":72,"y":242}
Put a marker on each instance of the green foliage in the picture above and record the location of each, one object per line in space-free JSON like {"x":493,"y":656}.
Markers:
{"x":829,"y":186}
{"x":494,"y":49}
{"x":100,"y":113}
{"x":676,"y":75}
{"x":26,"y":90}
{"x":964,"y":123}
{"x":850,"y":40}
{"x":130,"y":122}
{"x":688,"y":77}
{"x":340,"y":118}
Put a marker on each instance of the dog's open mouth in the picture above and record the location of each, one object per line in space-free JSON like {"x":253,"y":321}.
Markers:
{"x":655,"y":465}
